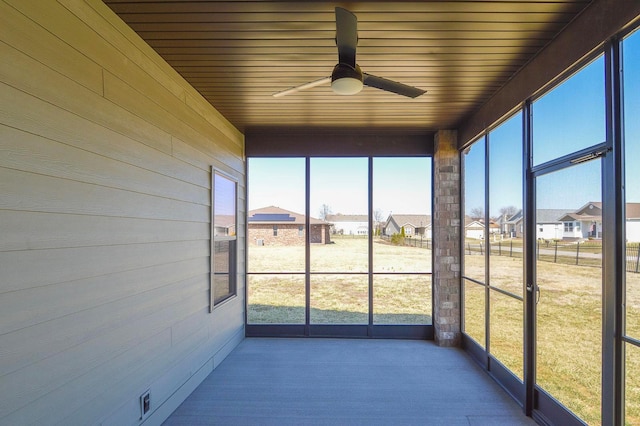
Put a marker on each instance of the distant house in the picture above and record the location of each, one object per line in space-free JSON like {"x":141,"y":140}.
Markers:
{"x":548,"y":224}
{"x":512,"y":226}
{"x":474,"y":228}
{"x":415,"y":225}
{"x":224,"y":225}
{"x":633,"y":222}
{"x":275,"y":226}
{"x":586,"y":222}
{"x":349,"y":224}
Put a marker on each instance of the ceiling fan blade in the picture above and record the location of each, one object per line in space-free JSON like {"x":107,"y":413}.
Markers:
{"x":392,"y":86}
{"x":346,"y":36}
{"x":304,"y":86}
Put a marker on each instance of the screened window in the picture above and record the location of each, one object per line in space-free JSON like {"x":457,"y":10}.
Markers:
{"x":631,"y":85}
{"x":224,"y":238}
{"x":276,"y":263}
{"x":474,"y":242}
{"x":505,"y":244}
{"x":355,"y":211}
{"x":562,"y":124}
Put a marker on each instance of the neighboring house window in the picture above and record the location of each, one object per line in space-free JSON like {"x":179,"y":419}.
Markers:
{"x":300,"y":230}
{"x":275,"y":230}
{"x":223,"y":238}
{"x":540,"y":229}
{"x":568,"y":227}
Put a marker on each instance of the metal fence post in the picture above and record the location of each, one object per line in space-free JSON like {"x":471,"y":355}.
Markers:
{"x":578,"y":253}
{"x":637,"y":257}
{"x":555,"y":254}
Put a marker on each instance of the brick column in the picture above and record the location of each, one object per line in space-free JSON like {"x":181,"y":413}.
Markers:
{"x":446,"y":240}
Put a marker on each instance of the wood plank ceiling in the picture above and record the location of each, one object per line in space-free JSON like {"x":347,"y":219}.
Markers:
{"x":238,"y":53}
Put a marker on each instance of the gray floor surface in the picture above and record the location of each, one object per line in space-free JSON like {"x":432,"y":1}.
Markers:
{"x":347,"y":382}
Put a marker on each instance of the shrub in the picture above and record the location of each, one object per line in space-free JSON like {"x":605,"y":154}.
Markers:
{"x":397,"y":239}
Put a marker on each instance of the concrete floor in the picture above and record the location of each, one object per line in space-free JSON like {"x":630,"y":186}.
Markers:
{"x":347,"y":382}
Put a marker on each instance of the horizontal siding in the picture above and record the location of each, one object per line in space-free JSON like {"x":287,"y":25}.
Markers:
{"x":105,"y":156}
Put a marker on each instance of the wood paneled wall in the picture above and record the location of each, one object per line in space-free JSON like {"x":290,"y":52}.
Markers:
{"x":104,"y":221}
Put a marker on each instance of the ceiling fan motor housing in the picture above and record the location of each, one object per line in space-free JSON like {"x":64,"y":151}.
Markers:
{"x":346,"y":80}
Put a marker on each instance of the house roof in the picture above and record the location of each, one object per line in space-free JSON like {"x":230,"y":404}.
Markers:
{"x":225,"y":220}
{"x":571,"y":217}
{"x":415,"y":220}
{"x":633,"y":211}
{"x":550,"y":215}
{"x":347,"y":218}
{"x":517,"y":217}
{"x":273,"y":215}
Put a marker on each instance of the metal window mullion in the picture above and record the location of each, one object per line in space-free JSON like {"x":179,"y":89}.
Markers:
{"x":463,"y":201}
{"x":487,"y":253}
{"x":614,"y":254}
{"x":307,"y":247}
{"x":528,"y":257}
{"x":370,"y":245}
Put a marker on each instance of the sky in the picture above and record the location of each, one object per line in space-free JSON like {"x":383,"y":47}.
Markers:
{"x":568,"y":118}
{"x":401,"y":185}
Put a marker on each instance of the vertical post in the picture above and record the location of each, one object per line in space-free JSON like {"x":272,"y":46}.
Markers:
{"x":613,"y":245}
{"x":446,"y":240}
{"x":370,"y":245}
{"x":529,"y":261}
{"x":578,"y":253}
{"x":637,"y":257}
{"x":307,"y":247}
{"x":555,"y":254}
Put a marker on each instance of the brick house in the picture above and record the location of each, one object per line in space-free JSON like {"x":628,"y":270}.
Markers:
{"x":275,"y":226}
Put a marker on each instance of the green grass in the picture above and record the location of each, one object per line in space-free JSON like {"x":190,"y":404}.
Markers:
{"x":339,"y":299}
{"x":569,"y":331}
{"x":569,"y":311}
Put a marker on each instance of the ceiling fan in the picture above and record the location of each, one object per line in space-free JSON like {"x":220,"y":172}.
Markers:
{"x":347,"y":78}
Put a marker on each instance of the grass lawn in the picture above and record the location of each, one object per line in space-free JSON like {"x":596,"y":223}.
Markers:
{"x":339,"y":284}
{"x":569,"y":330}
{"x":569,"y":311}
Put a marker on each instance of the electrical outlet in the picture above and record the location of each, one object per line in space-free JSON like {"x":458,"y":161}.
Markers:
{"x":145,"y":404}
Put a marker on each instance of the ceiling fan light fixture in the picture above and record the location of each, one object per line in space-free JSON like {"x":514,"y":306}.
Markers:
{"x":346,"y":80}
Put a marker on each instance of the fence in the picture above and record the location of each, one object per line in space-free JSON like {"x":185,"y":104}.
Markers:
{"x":587,"y":253}
{"x":420,"y":242}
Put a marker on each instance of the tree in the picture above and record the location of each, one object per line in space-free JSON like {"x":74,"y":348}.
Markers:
{"x":477,"y":213}
{"x":378,"y":218}
{"x":325,"y":210}
{"x":508,"y":211}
